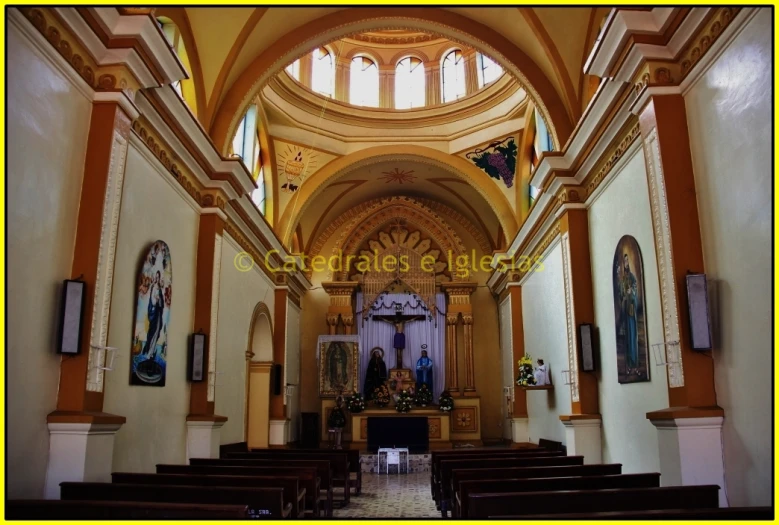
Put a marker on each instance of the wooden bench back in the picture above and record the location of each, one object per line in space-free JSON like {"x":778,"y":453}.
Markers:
{"x":448,"y":465}
{"x":339,"y":463}
{"x":264,"y":502}
{"x":352,"y":454}
{"x":727,"y":513}
{"x":619,"y":481}
{"x":289,"y":484}
{"x":322,"y":466}
{"x":483,"y":505}
{"x":55,"y":509}
{"x":307,"y":476}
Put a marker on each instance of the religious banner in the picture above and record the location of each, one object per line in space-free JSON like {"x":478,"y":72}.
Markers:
{"x":148,"y":356}
{"x":630,"y":312}
{"x":339,"y":364}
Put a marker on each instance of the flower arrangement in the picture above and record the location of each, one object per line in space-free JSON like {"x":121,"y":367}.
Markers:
{"x":525,"y":375}
{"x":337,"y":418}
{"x":403,"y":404}
{"x":445,"y":402}
{"x":424,"y":397}
{"x":355,"y":403}
{"x":381,"y":396}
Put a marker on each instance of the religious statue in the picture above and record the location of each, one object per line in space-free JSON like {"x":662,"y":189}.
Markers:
{"x":425,"y":371}
{"x":541,"y":374}
{"x":399,"y":340}
{"x":628,"y":323}
{"x":376,"y":374}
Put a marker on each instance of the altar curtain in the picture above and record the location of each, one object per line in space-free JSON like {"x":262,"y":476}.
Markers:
{"x":375,"y":333}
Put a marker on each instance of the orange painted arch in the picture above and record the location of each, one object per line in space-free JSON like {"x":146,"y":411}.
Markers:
{"x":339,"y":167}
{"x":456,"y":27}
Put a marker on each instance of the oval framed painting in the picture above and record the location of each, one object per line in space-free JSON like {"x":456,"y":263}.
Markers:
{"x":148,"y":356}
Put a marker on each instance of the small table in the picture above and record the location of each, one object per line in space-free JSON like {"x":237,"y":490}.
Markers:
{"x":393,"y":456}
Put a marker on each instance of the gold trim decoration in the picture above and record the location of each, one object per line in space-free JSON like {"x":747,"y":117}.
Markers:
{"x":591,"y":182}
{"x":702,"y":42}
{"x":351,"y":383}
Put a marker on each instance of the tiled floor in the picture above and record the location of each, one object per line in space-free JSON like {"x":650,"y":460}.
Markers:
{"x":392,"y":496}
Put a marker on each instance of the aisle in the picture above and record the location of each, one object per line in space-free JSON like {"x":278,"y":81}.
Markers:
{"x":392,"y":496}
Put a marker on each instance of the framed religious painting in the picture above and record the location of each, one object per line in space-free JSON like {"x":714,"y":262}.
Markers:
{"x":339,"y":364}
{"x":630,"y":312}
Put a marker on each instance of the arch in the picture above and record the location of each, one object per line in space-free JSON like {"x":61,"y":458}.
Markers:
{"x":342,"y":23}
{"x":400,"y":55}
{"x":364,"y":51}
{"x":336,"y":168}
{"x":260,"y":347}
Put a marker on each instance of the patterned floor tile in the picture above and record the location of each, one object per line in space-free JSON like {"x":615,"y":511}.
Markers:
{"x":392,"y":496}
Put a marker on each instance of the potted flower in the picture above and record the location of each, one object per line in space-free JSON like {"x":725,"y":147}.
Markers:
{"x":445,"y":402}
{"x":337,"y":421}
{"x":525,"y":375}
{"x":355,"y":403}
{"x":424,"y":397}
{"x":403,"y":403}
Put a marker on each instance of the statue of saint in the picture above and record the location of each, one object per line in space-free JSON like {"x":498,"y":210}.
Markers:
{"x":399,"y":340}
{"x":425,"y":371}
{"x":541,"y":374}
{"x":376,"y":374}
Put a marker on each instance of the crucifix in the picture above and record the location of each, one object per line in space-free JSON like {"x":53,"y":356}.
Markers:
{"x":399,"y":341}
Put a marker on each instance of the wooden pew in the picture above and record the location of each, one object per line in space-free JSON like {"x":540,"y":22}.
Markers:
{"x":353,"y":456}
{"x":460,"y":475}
{"x":55,"y":509}
{"x":443,"y":489}
{"x":483,"y":505}
{"x":549,"y":444}
{"x":307,"y":477}
{"x":727,"y":513}
{"x":339,"y":463}
{"x":619,"y":481}
{"x":293,"y":493}
{"x":437,"y":456}
{"x":263,"y":502}
{"x":322,"y":467}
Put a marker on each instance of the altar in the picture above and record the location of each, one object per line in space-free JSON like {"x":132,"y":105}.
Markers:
{"x":437,"y":425}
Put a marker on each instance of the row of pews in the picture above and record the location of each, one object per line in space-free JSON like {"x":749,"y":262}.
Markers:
{"x":266,"y":484}
{"x":544,"y":483}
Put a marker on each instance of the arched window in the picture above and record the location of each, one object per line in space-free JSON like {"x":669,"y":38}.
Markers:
{"x":246,"y":145}
{"x":186,"y":87}
{"x":489,"y":70}
{"x":322,"y":73}
{"x":453,"y":76}
{"x":364,"y":82}
{"x":409,"y":84}
{"x":294,"y":70}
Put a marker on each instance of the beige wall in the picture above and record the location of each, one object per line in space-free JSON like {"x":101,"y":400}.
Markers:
{"x":546,"y":337}
{"x":729,"y":116}
{"x":152,"y":209}
{"x":239,"y":294}
{"x":623,"y":209}
{"x":48,"y":121}
{"x":292,"y":369}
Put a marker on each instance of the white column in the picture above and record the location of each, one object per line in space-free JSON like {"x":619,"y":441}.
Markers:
{"x":203,"y":439}
{"x":582,"y":438}
{"x":520,"y":431}
{"x":691,"y":452}
{"x":79,"y":452}
{"x":279,"y":432}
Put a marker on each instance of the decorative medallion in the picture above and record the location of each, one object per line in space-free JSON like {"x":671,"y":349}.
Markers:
{"x":498,"y":159}
{"x":464,"y":419}
{"x":399,"y":176}
{"x":294,"y":164}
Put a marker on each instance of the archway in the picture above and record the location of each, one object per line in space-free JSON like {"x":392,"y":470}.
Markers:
{"x":259,"y":363}
{"x":457,"y":166}
{"x":453,"y":26}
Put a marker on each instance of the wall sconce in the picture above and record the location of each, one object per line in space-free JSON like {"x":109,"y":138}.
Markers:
{"x":106,"y":355}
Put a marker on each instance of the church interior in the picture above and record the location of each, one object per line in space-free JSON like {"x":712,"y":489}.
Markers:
{"x":418,"y":262}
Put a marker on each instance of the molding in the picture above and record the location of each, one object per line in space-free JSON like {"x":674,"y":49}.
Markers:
{"x":573,"y":361}
{"x":212,"y":336}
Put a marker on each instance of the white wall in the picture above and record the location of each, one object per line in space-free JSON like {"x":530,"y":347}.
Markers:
{"x":48,"y":121}
{"x":623,"y":209}
{"x":729,"y":117}
{"x":292,"y":369}
{"x":543,"y":316}
{"x":155,"y":431}
{"x":239,"y":294}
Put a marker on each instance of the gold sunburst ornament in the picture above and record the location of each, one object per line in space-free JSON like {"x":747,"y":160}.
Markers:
{"x":399,"y":176}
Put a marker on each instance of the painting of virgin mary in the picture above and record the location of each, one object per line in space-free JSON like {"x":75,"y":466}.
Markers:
{"x":150,"y":339}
